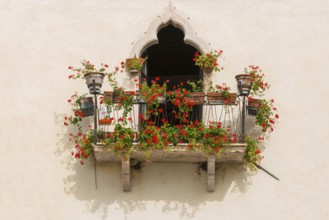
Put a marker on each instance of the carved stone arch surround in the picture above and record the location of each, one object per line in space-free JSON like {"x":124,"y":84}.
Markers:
{"x":170,"y":16}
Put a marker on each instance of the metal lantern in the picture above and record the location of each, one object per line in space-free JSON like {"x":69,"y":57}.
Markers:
{"x":94,"y":82}
{"x":244,"y":84}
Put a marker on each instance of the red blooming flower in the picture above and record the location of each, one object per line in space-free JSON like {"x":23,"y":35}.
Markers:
{"x":155,"y":139}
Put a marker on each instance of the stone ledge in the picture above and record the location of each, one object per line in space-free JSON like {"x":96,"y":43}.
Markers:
{"x":176,"y":154}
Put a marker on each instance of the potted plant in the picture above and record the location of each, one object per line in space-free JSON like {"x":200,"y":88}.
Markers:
{"x":257,"y":88}
{"x":208,"y":61}
{"x":94,"y":77}
{"x":196,"y":94}
{"x":134,"y":65}
{"x":221,"y":95}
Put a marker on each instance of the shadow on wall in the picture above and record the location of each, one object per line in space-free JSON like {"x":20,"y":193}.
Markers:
{"x":171,"y":187}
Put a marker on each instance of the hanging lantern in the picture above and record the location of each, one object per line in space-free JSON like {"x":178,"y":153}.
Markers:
{"x":244,"y":82}
{"x":94,"y":82}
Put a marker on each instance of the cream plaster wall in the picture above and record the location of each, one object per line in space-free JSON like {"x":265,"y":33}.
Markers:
{"x":39,"y":179}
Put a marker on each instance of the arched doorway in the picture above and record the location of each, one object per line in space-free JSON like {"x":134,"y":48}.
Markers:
{"x":171,"y":59}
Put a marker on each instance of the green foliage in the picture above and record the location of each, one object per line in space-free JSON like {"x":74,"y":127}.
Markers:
{"x":266,"y":117}
{"x":197,"y":86}
{"x":207,"y":60}
{"x":252,"y":153}
{"x":134,"y":63}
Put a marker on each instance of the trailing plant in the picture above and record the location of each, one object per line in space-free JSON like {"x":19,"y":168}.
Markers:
{"x":252,"y":153}
{"x":179,"y":99}
{"x":216,"y":138}
{"x":152,"y":95}
{"x":150,"y":139}
{"x":170,"y":134}
{"x":267,"y":117}
{"x":77,"y":115}
{"x":193,"y":133}
{"x":121,"y":141}
{"x":83,"y":145}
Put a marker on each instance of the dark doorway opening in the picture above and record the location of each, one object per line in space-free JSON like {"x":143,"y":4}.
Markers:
{"x":172,"y":60}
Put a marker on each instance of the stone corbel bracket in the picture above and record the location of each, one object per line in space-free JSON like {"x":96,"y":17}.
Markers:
{"x":176,"y":154}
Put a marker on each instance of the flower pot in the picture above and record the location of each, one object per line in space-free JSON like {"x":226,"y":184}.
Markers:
{"x":105,"y":121}
{"x":134,"y":65}
{"x":253,"y":106}
{"x":86,"y":106}
{"x":114,"y":97}
{"x":94,"y":82}
{"x":197,"y":97}
{"x":218,"y":98}
{"x":209,"y":69}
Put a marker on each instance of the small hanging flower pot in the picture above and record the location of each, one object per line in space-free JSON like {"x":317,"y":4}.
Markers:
{"x":86,"y":106}
{"x":134,"y":65}
{"x":209,"y":68}
{"x":253,"y":106}
{"x":207,"y":61}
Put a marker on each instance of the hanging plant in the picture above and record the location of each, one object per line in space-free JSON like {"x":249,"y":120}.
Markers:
{"x":208,"y":61}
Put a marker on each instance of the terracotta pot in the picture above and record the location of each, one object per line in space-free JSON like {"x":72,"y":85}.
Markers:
{"x":131,"y":61}
{"x":112,"y":96}
{"x":197,"y":97}
{"x":209,"y":69}
{"x":253,"y":106}
{"x":217,"y":98}
{"x":105,"y":121}
{"x":256,"y":103}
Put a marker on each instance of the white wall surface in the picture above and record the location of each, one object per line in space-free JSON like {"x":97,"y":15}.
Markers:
{"x":40,"y":180}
